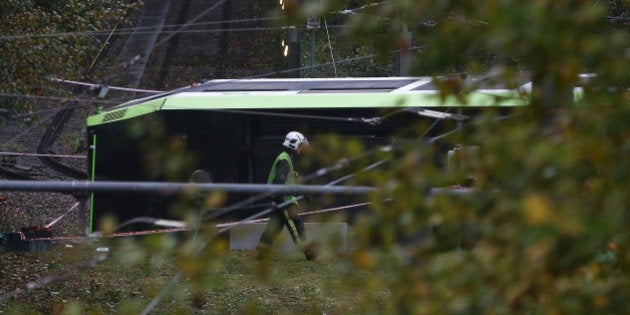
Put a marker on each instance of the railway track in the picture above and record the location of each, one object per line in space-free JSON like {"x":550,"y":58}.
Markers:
{"x":173,"y":59}
{"x":153,"y":15}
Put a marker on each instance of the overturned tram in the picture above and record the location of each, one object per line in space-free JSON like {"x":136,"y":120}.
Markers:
{"x":232,"y":129}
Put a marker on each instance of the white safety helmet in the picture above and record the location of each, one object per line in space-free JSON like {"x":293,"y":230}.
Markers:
{"x":294,"y":139}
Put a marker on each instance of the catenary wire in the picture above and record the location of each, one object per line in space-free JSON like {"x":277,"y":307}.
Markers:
{"x":130,"y":30}
{"x":149,"y":29}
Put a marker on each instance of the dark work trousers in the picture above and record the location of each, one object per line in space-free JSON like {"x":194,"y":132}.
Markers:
{"x":280,"y":218}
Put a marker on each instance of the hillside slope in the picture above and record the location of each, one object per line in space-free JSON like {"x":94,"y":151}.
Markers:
{"x":197,"y":40}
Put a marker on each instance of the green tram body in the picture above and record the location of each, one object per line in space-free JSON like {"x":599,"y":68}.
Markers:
{"x":234,"y":128}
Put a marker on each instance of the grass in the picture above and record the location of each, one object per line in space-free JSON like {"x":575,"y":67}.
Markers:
{"x":229,"y":282}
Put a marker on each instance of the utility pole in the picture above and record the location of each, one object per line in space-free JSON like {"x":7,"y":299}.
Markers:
{"x":312,"y":23}
{"x":291,"y":44}
{"x":293,"y":57}
{"x":403,"y":57}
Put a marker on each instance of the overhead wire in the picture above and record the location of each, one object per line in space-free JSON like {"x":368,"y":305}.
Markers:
{"x":27,"y":130}
{"x":353,"y":11}
{"x":332,"y":55}
{"x":300,"y":116}
{"x":301,"y":214}
{"x":317,"y":174}
{"x":181,"y":29}
{"x":119,"y":88}
{"x":193,"y":20}
{"x":116,"y":31}
{"x":347,"y":60}
{"x":123,"y":99}
{"x":54,"y":98}
{"x":141,"y":29}
{"x":69,"y":156}
{"x":162,"y":32}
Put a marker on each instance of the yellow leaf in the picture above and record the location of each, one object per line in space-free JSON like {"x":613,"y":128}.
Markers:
{"x":537,"y":209}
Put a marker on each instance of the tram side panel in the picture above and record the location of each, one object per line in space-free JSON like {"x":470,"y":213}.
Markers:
{"x":168,"y":146}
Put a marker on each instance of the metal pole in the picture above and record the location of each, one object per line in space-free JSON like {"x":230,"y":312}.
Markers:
{"x":294,"y":52}
{"x":81,"y":187}
{"x":403,"y":64}
{"x":122,"y":187}
{"x":313,"y":47}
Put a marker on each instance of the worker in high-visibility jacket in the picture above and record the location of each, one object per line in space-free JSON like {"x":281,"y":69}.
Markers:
{"x":282,"y":172}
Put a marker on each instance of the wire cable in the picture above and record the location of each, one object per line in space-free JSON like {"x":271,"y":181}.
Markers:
{"x":343,"y":61}
{"x":69,"y":156}
{"x":332,"y":56}
{"x":181,"y":28}
{"x":54,"y":98}
{"x":353,"y":11}
{"x":118,"y":101}
{"x":118,"y":88}
{"x":299,"y":116}
{"x":142,"y":30}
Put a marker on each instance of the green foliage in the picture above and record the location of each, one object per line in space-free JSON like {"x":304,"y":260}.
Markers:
{"x":329,"y":50}
{"x":45,"y":39}
{"x":214,"y":282}
{"x":544,"y":231}
{"x":343,"y":56}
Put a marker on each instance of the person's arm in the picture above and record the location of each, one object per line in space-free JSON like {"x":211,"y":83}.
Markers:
{"x":282,"y":173}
